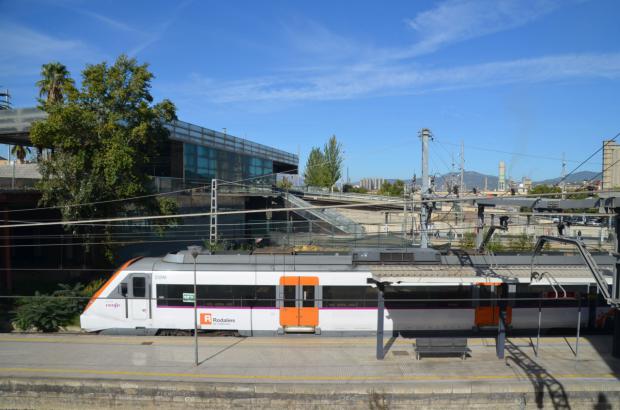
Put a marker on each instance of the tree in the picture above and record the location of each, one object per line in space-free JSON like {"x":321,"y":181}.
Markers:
{"x":332,"y":152}
{"x":55,"y":82}
{"x":351,"y":188}
{"x":314,"y":175}
{"x":395,"y":189}
{"x":285,"y":183}
{"x":103,"y":138}
{"x":20,"y":152}
{"x":545,"y":189}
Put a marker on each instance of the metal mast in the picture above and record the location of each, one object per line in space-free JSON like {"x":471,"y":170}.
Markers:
{"x":425,"y":135}
{"x":462,"y":185}
{"x":563,"y":185}
{"x":213,"y":219}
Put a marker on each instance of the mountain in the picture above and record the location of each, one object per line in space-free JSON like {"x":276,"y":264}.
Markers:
{"x":476,"y":179}
{"x":572,"y":178}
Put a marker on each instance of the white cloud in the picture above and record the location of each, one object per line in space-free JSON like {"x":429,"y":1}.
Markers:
{"x":343,"y":68}
{"x":363,"y":81}
{"x":23,"y":50}
{"x":459,"y":20}
{"x":113,"y":23}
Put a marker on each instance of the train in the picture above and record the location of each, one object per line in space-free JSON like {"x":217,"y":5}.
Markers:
{"x":417,"y":289}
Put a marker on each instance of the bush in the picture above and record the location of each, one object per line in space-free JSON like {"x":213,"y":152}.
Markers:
{"x":48,"y":313}
{"x":468,"y":241}
{"x":521,"y":243}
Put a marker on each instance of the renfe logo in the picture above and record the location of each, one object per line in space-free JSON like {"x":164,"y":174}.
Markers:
{"x":206,"y":319}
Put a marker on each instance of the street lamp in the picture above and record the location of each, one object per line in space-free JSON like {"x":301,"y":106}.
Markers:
{"x":195,"y":251}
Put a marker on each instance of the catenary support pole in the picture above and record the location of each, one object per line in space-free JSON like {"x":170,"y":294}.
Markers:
{"x":213,"y":219}
{"x":195,"y":251}
{"x":539,"y":323}
{"x":501,"y":335}
{"x":380,"y":317}
{"x":578,"y":327}
{"x":425,"y":135}
{"x":615,"y":351}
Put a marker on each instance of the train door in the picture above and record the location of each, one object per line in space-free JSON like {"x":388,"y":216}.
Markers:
{"x":299,"y":302}
{"x":486,"y":305}
{"x":139,"y":296}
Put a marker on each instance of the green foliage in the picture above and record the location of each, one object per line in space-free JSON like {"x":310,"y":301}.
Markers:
{"x":55,"y":83}
{"x":92,"y":287}
{"x":495,"y":245}
{"x":545,"y":189}
{"x":104,"y":138}
{"x":324,"y":168}
{"x":332,"y":152}
{"x":395,"y":189}
{"x":468,"y":241}
{"x":285,"y":183}
{"x":521,"y":243}
{"x":314,"y":174}
{"x":48,"y":313}
{"x":351,"y":188}
{"x":20,"y":152}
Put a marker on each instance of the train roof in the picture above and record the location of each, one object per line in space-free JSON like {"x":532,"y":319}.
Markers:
{"x":393,"y":265}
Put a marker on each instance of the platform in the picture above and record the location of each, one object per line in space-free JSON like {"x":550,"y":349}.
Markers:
{"x":343,"y":364}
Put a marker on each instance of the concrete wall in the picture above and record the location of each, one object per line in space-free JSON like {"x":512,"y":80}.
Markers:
{"x":20,"y":393}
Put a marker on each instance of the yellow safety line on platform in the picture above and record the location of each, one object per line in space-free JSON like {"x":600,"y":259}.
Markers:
{"x":295,"y":378}
{"x":171,"y":341}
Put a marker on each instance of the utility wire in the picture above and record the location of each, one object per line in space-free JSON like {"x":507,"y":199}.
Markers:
{"x":587,"y":159}
{"x":253,"y":211}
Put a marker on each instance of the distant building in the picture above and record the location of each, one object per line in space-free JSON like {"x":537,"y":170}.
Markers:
{"x":611,"y":165}
{"x":501,"y":182}
{"x":525,"y":186}
{"x":372,"y":184}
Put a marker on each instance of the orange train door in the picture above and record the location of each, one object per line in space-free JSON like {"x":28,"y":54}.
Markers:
{"x":487,"y":308}
{"x":299,"y":306}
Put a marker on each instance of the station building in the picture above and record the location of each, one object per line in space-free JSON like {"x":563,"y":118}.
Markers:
{"x":193,"y":154}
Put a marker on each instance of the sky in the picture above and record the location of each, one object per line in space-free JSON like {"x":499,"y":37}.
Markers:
{"x":524,"y":81}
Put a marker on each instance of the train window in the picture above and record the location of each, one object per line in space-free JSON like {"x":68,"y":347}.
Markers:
{"x":308,"y":296}
{"x":349,"y":296}
{"x":289,"y":296}
{"x":265,"y":296}
{"x":172,"y":295}
{"x":139,"y":286}
{"x":218,"y":295}
{"x":428,"y":297}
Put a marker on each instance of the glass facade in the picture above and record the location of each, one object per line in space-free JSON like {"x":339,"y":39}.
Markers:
{"x":201,"y":164}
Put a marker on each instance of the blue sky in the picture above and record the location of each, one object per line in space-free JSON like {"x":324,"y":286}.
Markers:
{"x":525,"y":76}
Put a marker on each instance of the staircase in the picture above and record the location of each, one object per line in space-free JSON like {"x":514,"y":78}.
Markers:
{"x":329,"y":216}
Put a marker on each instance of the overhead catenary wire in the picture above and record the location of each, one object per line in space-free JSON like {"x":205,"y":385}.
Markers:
{"x":302,"y":234}
{"x":254,"y":211}
{"x":587,"y":159}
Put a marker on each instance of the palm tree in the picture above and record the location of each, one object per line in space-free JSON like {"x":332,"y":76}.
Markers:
{"x":55,"y":82}
{"x":20,"y":152}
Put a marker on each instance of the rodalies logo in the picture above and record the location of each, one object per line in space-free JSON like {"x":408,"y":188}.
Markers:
{"x":206,"y":319}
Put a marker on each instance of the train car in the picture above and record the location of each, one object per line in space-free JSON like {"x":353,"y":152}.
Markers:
{"x":338,"y":294}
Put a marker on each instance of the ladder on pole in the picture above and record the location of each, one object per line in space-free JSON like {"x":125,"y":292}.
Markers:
{"x":213,"y":218}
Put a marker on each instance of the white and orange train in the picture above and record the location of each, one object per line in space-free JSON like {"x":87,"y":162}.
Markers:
{"x":331,"y":294}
